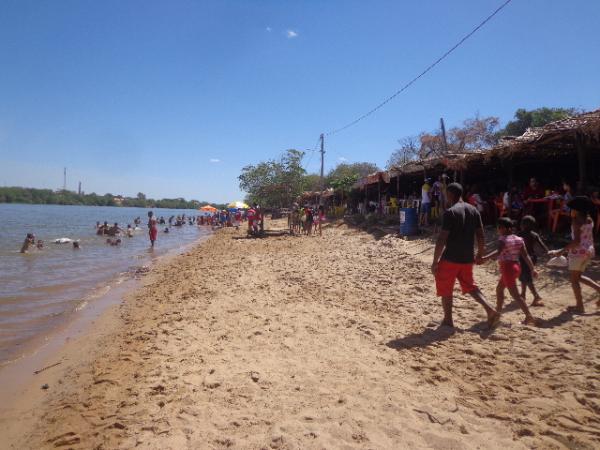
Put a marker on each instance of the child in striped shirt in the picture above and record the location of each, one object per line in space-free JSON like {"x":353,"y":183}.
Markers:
{"x":510,"y":248}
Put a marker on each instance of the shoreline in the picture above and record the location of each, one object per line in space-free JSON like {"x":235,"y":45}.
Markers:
{"x":313,"y":342}
{"x":19,"y":376}
{"x":75,"y":295}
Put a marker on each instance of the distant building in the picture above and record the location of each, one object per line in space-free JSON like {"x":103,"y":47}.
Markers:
{"x":118,"y":199}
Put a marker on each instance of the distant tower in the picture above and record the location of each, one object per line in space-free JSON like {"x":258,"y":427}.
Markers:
{"x":79,"y":190}
{"x":65,"y":179}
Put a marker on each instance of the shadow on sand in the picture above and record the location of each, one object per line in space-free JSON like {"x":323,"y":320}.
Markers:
{"x":421,"y":340}
{"x":564,"y":317}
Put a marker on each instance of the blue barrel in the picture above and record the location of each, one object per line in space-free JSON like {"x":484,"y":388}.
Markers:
{"x":409,"y":221}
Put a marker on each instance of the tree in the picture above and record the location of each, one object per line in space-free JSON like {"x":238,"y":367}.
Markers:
{"x":474,"y":134}
{"x":408,"y":151}
{"x":274,"y":183}
{"x":431,"y":144}
{"x":345,"y":175}
{"x":312,"y":182}
{"x":535,"y":118}
{"x":343,"y":170}
{"x":62,"y":197}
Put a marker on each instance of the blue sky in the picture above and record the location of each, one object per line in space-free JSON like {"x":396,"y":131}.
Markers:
{"x":174,"y":98}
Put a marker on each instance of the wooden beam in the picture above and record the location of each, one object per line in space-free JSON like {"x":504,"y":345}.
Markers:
{"x":581,"y":159}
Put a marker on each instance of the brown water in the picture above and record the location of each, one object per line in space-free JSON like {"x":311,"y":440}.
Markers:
{"x":41,"y":289}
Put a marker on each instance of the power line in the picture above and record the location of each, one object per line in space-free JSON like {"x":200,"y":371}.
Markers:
{"x":431,"y":66}
{"x":312,"y":153}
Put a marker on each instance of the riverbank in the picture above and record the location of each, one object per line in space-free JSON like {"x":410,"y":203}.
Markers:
{"x":320,"y":342}
{"x":42,"y":290}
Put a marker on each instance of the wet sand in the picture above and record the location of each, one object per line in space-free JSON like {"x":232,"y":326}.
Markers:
{"x":320,"y":342}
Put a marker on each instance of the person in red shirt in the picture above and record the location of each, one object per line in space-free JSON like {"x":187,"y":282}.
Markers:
{"x":251,"y":216}
{"x":533,"y":190}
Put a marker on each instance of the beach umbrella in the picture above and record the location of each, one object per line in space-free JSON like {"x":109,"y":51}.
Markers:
{"x":238,"y":205}
{"x":208,"y":208}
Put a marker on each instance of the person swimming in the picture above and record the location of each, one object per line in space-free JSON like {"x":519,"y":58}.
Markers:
{"x":114,"y":230}
{"x":76,"y":245}
{"x":102,"y":229}
{"x":28,"y":242}
{"x":40,"y":244}
{"x":129,"y":231}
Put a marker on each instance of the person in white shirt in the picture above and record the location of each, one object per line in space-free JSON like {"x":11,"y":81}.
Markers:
{"x":425,"y":203}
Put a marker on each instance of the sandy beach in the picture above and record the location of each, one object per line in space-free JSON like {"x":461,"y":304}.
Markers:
{"x":315,"y":342}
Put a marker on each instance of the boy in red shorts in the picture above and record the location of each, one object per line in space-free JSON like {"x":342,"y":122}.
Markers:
{"x":454,"y":257}
{"x":510,"y":248}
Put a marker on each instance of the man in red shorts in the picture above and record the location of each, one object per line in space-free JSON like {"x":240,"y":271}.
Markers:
{"x":454,"y":257}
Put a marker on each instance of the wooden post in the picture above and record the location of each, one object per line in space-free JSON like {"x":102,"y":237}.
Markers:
{"x":511,"y":172}
{"x":379,"y":196}
{"x":581,"y":159}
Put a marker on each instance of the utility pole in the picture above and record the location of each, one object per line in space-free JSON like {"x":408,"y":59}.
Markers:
{"x":322,"y":168}
{"x":445,"y":142}
{"x":443,"y":127}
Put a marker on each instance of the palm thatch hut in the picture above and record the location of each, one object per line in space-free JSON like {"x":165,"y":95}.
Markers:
{"x":568,"y":148}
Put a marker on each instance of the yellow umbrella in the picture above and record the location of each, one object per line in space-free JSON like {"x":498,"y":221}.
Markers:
{"x":238,"y":205}
{"x":208,"y":208}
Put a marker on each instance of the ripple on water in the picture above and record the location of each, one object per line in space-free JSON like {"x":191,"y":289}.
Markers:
{"x":41,"y":288}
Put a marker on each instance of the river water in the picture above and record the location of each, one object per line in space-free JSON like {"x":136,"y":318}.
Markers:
{"x":43,"y":288}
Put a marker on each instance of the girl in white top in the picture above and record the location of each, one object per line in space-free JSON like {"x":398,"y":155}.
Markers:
{"x":580,"y":250}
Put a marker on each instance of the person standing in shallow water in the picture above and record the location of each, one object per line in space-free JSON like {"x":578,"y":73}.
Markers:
{"x":454,"y":254}
{"x":152,"y":228}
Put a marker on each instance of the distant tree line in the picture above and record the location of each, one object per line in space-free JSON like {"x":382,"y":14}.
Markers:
{"x":62,"y":197}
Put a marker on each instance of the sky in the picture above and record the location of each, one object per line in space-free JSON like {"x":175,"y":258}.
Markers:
{"x":174,"y":98}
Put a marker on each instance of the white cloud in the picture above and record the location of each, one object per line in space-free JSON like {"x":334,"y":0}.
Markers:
{"x":215,"y":160}
{"x":291,"y":34}
{"x":269,"y":29}
{"x":342,"y":159}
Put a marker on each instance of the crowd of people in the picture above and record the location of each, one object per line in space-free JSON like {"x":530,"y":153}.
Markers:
{"x":307,"y":220}
{"x":462,"y":230}
{"x":115,"y":233}
{"x":548,"y":205}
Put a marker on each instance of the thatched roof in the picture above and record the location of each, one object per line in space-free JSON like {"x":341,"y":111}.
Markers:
{"x":558,"y":135}
{"x":552,"y":139}
{"x":373,"y":178}
{"x":314,"y":194}
{"x":450,"y":161}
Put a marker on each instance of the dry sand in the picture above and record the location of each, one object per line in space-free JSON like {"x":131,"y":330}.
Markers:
{"x":317,"y":342}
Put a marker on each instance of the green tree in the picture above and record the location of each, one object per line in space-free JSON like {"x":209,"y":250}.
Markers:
{"x":274,"y":183}
{"x":311,"y":182}
{"x":535,"y":118}
{"x":46,"y":196}
{"x":345,"y":170}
